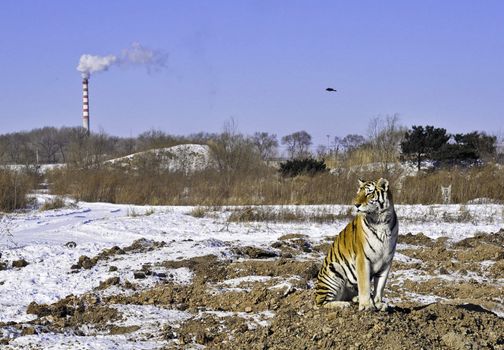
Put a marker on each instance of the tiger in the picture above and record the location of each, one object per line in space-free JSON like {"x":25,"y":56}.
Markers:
{"x":362,"y":252}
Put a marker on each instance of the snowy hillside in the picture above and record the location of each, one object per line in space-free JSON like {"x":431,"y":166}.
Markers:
{"x":187,"y":158}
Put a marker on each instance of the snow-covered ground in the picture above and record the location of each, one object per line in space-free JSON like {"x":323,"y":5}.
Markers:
{"x":40,"y":238}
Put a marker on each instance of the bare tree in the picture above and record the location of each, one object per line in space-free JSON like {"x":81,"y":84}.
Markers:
{"x":298,"y":144}
{"x":155,"y":139}
{"x":19,"y":150}
{"x":125,"y":146}
{"x":234,"y":155}
{"x":322,"y":152}
{"x":78,"y":146}
{"x":266,"y":144}
{"x":352,"y":141}
{"x":45,"y":144}
{"x":385,"y":136}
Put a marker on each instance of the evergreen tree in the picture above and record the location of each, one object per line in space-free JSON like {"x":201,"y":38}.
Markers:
{"x":420,"y":143}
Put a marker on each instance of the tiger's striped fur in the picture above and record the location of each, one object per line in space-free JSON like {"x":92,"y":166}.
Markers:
{"x":362,"y":253}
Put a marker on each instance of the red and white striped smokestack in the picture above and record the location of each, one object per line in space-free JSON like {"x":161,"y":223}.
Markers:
{"x":85,"y":104}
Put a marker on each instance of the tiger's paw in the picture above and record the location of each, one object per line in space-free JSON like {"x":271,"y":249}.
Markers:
{"x":381,"y":306}
{"x":366,"y":307}
{"x":337,"y":305}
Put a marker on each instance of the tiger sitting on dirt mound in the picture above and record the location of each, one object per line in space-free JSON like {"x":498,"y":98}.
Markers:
{"x":362,"y":252}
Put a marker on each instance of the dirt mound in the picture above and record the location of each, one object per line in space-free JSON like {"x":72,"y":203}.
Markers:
{"x":496,"y":239}
{"x":141,"y":245}
{"x":70,"y":313}
{"x":418,"y":239}
{"x":298,"y":325}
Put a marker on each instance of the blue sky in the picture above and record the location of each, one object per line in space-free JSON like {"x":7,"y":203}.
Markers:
{"x":265,"y":64}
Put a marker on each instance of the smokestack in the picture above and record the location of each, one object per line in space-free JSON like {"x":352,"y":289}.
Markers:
{"x":137,"y":54}
{"x":85,"y":104}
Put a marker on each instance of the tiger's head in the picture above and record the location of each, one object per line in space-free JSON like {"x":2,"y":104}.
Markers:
{"x":373,"y":196}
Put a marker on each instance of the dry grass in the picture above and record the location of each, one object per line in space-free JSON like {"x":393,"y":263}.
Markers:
{"x":132,"y":212}
{"x":467,"y":184}
{"x":265,"y":214}
{"x":149,"y":186}
{"x":14,"y":186}
{"x":54,"y":203}
{"x":199,"y":212}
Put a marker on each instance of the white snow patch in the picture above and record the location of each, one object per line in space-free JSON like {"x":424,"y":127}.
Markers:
{"x":406,"y":259}
{"x":68,"y":341}
{"x":235,"y":282}
{"x":261,"y":319}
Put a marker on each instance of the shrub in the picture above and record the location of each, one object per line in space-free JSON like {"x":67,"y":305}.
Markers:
{"x":306,"y":166}
{"x":14,"y":186}
{"x":199,"y":212}
{"x":54,"y":203}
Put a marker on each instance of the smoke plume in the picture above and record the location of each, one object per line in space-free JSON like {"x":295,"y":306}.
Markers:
{"x":91,"y":64}
{"x":137,"y":55}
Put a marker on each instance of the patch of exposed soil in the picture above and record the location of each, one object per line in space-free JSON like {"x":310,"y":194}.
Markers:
{"x":141,"y":245}
{"x":418,"y":239}
{"x":70,"y":313}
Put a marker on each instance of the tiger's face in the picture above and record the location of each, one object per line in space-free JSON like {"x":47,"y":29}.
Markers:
{"x":372,"y":196}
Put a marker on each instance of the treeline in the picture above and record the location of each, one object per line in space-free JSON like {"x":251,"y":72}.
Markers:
{"x":241,"y":170}
{"x":387,"y":142}
{"x":51,"y":145}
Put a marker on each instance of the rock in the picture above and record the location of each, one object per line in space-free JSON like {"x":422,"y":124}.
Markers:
{"x":93,"y":299}
{"x":254,"y":252}
{"x":327,"y":329}
{"x":113,"y":281}
{"x":138,"y":275}
{"x":3,"y":266}
{"x":248,"y":309}
{"x":112,"y":268}
{"x":28,"y":331}
{"x":19,"y":263}
{"x":86,"y":263}
{"x":71,"y":244}
{"x":39,"y":310}
{"x":277,"y":244}
{"x":116,"y":330}
{"x":454,"y":341}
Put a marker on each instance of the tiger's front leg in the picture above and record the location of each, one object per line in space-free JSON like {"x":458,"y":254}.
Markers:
{"x":379,"y":285}
{"x":363,"y":283}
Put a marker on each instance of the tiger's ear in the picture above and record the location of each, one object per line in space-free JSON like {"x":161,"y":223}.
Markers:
{"x":361,"y":182}
{"x":383,"y":183}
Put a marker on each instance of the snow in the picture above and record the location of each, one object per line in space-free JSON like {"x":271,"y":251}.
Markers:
{"x":39,"y":237}
{"x":188,"y":157}
{"x":68,"y":341}
{"x":235,"y":282}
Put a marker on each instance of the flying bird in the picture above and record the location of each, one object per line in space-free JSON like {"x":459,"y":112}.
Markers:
{"x":331,"y":90}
